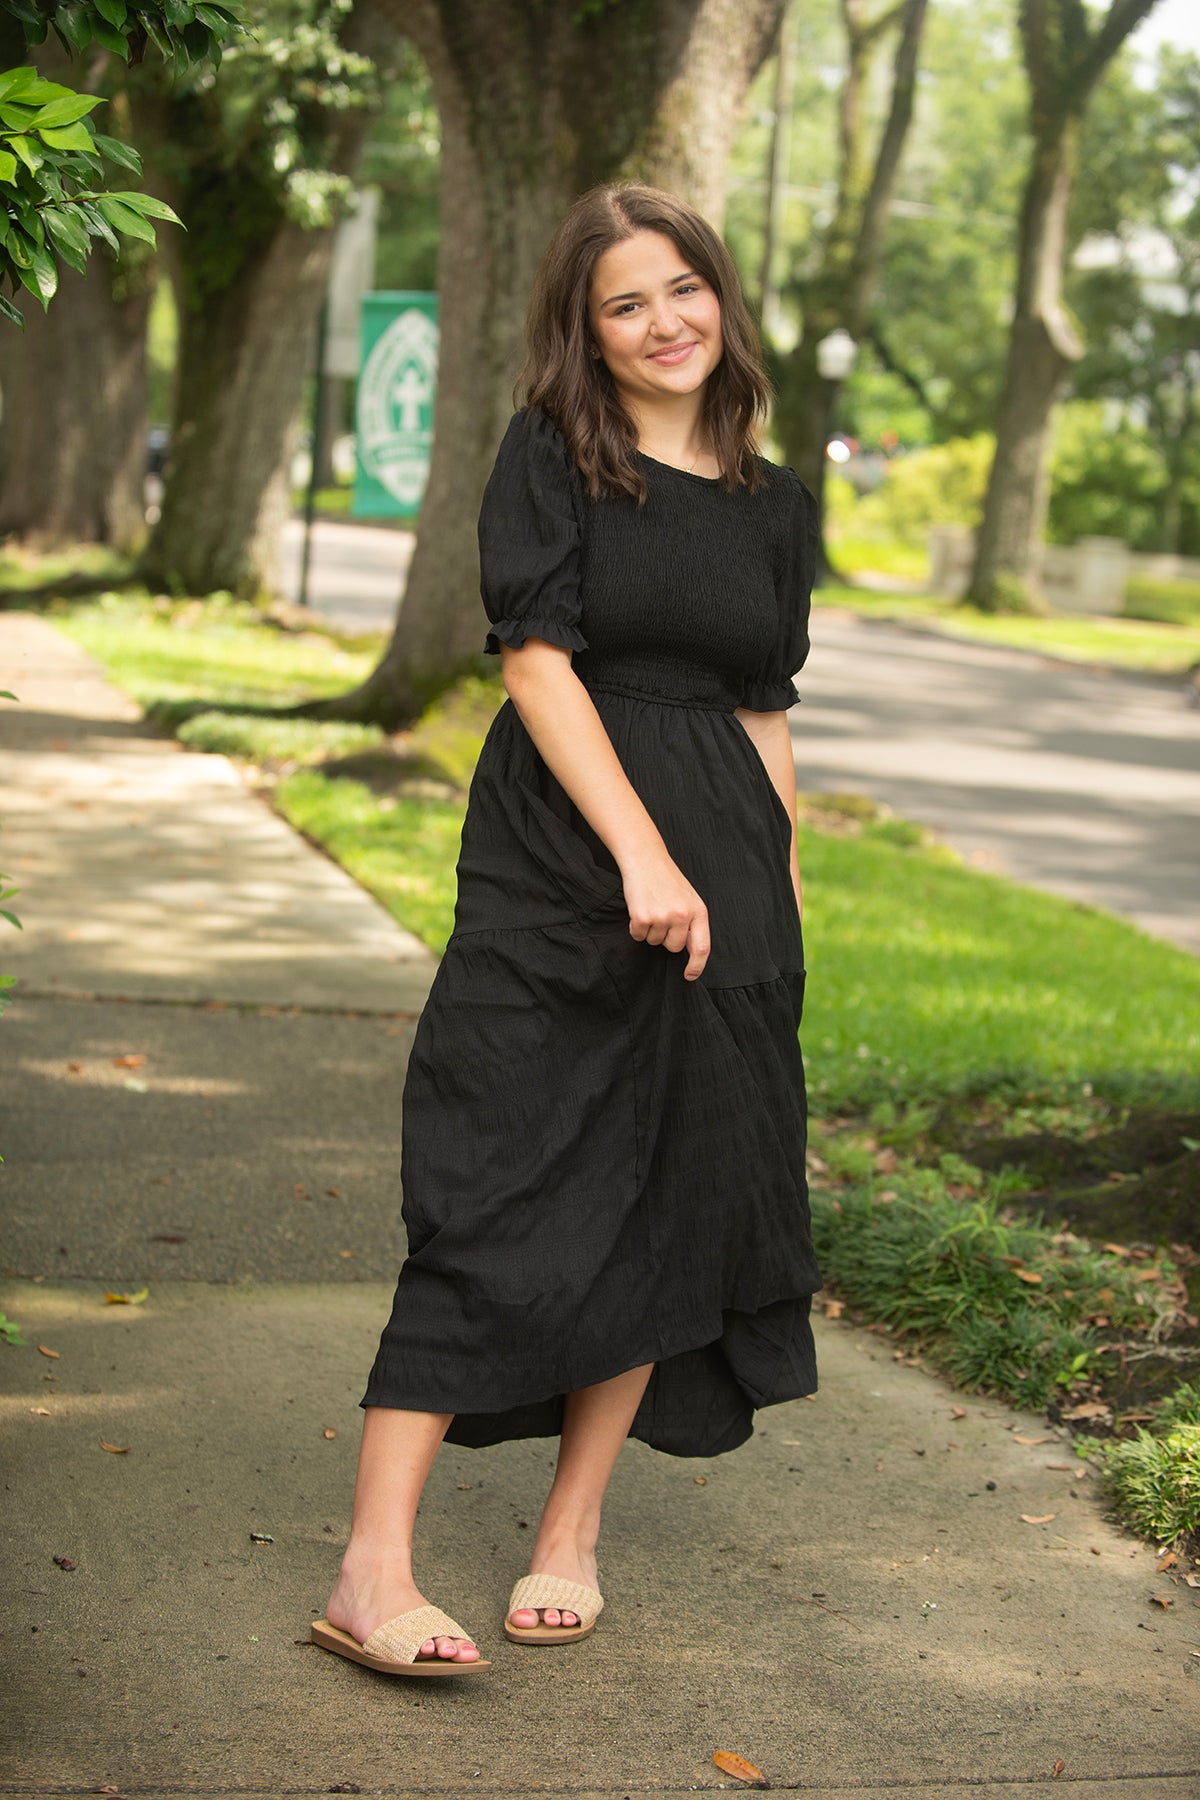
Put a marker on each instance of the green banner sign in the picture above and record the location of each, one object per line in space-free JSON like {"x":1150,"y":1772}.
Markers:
{"x":393,"y":415}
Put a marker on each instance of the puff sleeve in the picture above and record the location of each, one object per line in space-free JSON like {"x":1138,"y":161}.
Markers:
{"x":529,"y":539}
{"x":771,"y":689}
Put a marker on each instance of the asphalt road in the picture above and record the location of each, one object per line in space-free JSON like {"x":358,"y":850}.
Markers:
{"x":1068,"y":777}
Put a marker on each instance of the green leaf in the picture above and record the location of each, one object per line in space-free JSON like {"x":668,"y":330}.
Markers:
{"x":111,"y":38}
{"x":179,"y":14}
{"x":146,"y":203}
{"x":117,"y":152}
{"x":29,"y":151}
{"x":64,"y":112}
{"x":8,"y":166}
{"x":70,"y":238}
{"x":70,"y":137}
{"x":17,"y":118}
{"x":123,"y":218}
{"x":72,"y":23}
{"x":41,"y":279}
{"x":115,"y":11}
{"x":99,"y":226}
{"x":15,"y":81}
{"x":208,"y":15}
{"x":10,"y":1331}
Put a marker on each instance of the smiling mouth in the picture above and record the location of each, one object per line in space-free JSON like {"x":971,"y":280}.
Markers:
{"x":673,"y":353}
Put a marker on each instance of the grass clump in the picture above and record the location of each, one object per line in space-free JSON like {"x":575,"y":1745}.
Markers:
{"x":1001,"y":1304}
{"x":1154,"y":1481}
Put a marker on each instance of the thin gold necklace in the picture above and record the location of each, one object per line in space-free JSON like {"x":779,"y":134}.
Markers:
{"x":674,"y":465}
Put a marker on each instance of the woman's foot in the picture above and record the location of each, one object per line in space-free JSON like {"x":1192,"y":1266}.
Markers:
{"x":563,"y":1555}
{"x":363,"y":1600}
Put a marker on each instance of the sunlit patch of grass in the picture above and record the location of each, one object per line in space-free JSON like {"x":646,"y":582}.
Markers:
{"x":220,"y":650}
{"x":402,"y":850}
{"x":1136,"y":644}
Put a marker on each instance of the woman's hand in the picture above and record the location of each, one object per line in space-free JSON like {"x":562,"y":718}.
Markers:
{"x":664,"y":908}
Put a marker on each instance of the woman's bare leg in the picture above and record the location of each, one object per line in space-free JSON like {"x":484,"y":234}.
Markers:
{"x":376,"y":1580}
{"x":596,"y":1422}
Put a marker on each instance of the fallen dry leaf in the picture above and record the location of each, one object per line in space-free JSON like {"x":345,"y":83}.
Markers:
{"x":1037,"y":1518}
{"x":129,"y":1062}
{"x":1163,"y":1600}
{"x":1029,"y":1275}
{"x":65,"y":1562}
{"x":1057,"y":1770}
{"x":43,"y":1412}
{"x":47,"y":1352}
{"x":328,"y":1432}
{"x":700,"y":1480}
{"x":730,"y":1763}
{"x":886,"y":1162}
{"x":958,"y":1412}
{"x":1087,"y":1409}
{"x":1169,"y":1561}
{"x":464,"y":1487}
{"x":347,"y":1252}
{"x":1062,"y":1468}
{"x":75,"y":1068}
{"x":111,"y":1299}
{"x":1192,"y":1581}
{"x":1116,"y":1249}
{"x":833,"y":1309}
{"x":334,"y":1193}
{"x":1018,"y":1439}
{"x":117,"y":1449}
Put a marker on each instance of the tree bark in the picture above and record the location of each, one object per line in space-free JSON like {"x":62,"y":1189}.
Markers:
{"x":532,"y":114}
{"x":75,"y":412}
{"x":1066,"y":51}
{"x":844,"y":288}
{"x":74,"y":381}
{"x":249,"y":282}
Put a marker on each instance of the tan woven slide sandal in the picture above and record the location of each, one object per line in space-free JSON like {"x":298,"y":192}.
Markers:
{"x":536,"y":1592}
{"x":393,"y":1647}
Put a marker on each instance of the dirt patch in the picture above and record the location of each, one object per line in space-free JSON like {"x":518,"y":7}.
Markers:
{"x":1138,"y":1184}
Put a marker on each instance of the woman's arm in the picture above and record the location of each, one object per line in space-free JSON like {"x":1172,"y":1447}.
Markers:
{"x":768,"y":731}
{"x":557,"y":711}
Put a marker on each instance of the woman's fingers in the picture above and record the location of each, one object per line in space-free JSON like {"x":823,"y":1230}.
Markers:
{"x":699,"y":944}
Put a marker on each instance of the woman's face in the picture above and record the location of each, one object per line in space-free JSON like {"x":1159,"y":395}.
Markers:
{"x":655,"y":322}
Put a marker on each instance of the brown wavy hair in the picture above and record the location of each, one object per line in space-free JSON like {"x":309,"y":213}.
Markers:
{"x":575,"y":389}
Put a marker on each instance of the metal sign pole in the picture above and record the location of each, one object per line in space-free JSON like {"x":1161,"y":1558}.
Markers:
{"x":316,"y":432}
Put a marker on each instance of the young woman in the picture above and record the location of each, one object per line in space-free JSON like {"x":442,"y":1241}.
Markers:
{"x":604,"y":1115}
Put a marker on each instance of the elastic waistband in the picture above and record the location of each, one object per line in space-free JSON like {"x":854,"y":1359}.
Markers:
{"x":692,"y":702}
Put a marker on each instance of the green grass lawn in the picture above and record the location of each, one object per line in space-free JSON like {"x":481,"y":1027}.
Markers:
{"x":1135,"y":644}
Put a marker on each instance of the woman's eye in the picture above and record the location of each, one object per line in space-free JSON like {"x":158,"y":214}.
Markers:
{"x":690,"y":287}
{"x":628,"y":307}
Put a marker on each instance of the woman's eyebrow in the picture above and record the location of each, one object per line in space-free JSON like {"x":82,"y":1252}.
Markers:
{"x":688,"y":275}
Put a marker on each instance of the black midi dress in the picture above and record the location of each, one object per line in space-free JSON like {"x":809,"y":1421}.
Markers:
{"x":603,"y":1163}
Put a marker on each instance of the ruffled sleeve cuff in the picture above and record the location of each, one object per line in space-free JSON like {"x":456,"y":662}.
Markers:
{"x":515,"y":631}
{"x":769,"y":696}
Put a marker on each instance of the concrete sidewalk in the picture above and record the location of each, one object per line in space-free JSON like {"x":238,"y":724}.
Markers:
{"x":852,"y":1600}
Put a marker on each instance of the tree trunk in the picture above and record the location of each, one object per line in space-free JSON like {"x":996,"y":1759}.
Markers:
{"x":249,"y":283}
{"x":74,"y":381}
{"x":1066,"y":51}
{"x":530,"y":118}
{"x":843,"y":291}
{"x":74,"y":425}
{"x":243,"y":357}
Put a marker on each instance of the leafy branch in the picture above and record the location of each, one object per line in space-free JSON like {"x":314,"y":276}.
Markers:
{"x":53,"y":197}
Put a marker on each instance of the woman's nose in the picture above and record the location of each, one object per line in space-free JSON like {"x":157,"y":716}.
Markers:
{"x":664,"y":319}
